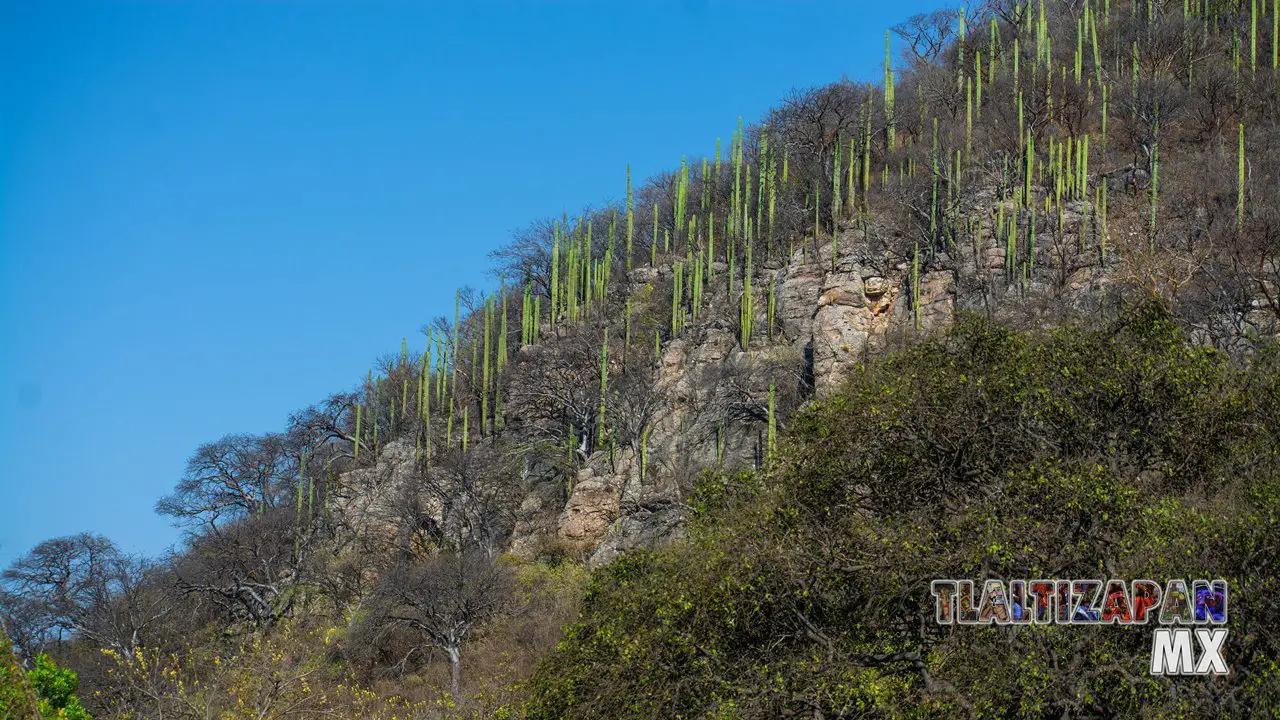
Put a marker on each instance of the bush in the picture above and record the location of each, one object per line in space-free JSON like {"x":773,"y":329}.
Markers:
{"x":1116,"y":452}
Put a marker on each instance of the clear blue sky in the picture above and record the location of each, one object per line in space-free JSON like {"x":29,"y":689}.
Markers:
{"x":215,"y":213}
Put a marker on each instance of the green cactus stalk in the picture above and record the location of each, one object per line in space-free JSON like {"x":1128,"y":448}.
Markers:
{"x":915,"y":286}
{"x":644,"y":453}
{"x":866,"y":151}
{"x":466,"y":427}
{"x":653,"y":246}
{"x":1101,"y":213}
{"x":631,"y":219}
{"x":1011,"y":250}
{"x":604,"y":388}
{"x":1155,"y":177}
{"x":933,"y":202}
{"x":682,"y":196}
{"x":1134,"y":79}
{"x":424,"y":402}
{"x":772,"y":311}
{"x":762,"y":187}
{"x":311,"y":491}
{"x":626,"y":334}
{"x":705,"y":185}
{"x":1253,"y":36}
{"x":851,"y":194}
{"x":1079,"y":60}
{"x":404,"y":390}
{"x":773,"y":421}
{"x":1017,"y":85}
{"x":890,"y":124}
{"x":356,"y":442}
{"x":302,"y":475}
{"x":1027,"y":174}
{"x":376,"y":443}
{"x":486,"y":374}
{"x":676,"y":277}
{"x":1240,"y":182}
{"x":711,"y":244}
{"x":747,"y":307}
{"x":503,"y":357}
{"x":968,"y":119}
{"x":457,"y":309}
{"x":835,"y":200}
{"x":528,"y":332}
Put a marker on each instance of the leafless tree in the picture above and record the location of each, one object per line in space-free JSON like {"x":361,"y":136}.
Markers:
{"x":84,"y":585}
{"x":926,"y":35}
{"x":230,"y":478}
{"x":479,"y":492}
{"x":251,"y":568}
{"x":442,"y":600}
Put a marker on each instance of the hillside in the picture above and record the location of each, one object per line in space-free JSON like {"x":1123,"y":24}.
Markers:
{"x":700,"y":454}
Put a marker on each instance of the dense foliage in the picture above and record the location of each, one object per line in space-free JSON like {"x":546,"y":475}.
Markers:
{"x":52,"y":688}
{"x":1115,"y":452}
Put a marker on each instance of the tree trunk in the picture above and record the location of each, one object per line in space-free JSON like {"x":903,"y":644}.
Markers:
{"x":455,"y":662}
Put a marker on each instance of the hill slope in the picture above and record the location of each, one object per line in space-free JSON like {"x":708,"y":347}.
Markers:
{"x":708,"y":359}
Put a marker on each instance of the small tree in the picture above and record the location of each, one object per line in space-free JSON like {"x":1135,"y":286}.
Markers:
{"x":442,"y":600}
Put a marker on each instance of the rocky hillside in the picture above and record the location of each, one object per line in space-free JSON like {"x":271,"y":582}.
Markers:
{"x":424,"y":538}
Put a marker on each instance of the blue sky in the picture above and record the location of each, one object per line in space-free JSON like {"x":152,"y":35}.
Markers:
{"x":215,"y":213}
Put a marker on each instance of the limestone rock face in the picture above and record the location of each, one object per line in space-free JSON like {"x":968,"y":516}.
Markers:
{"x":592,"y":508}
{"x":827,"y":316}
{"x":841,"y":328}
{"x":797,"y":298}
{"x":937,"y":300}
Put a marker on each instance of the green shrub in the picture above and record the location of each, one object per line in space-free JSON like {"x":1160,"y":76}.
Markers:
{"x":1116,"y":452}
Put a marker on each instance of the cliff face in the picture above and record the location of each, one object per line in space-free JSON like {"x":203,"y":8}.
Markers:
{"x":711,"y":397}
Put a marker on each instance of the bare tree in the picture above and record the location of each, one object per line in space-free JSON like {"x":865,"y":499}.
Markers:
{"x":83,"y":585}
{"x":926,"y":35}
{"x":230,"y":478}
{"x":251,"y":568}
{"x":442,"y":600}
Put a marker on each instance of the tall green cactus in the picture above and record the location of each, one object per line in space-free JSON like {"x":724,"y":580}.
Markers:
{"x":1155,"y":177}
{"x":644,"y":453}
{"x":486,"y":374}
{"x":1240,"y":181}
{"x":773,"y":421}
{"x":915,"y":285}
{"x":890,"y":121}
{"x":604,"y":389}
{"x":356,"y":443}
{"x":677,"y":280}
{"x":631,"y":219}
{"x":747,"y":308}
{"x":835,"y":200}
{"x":653,"y":246}
{"x":555,"y":273}
{"x":503,"y":357}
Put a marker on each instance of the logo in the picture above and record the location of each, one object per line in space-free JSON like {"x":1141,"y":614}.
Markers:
{"x":1186,"y":644}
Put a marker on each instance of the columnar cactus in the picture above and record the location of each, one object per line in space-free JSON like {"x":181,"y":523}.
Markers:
{"x":890,"y":121}
{"x":1240,"y":181}
{"x":631,"y":219}
{"x":604,"y":389}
